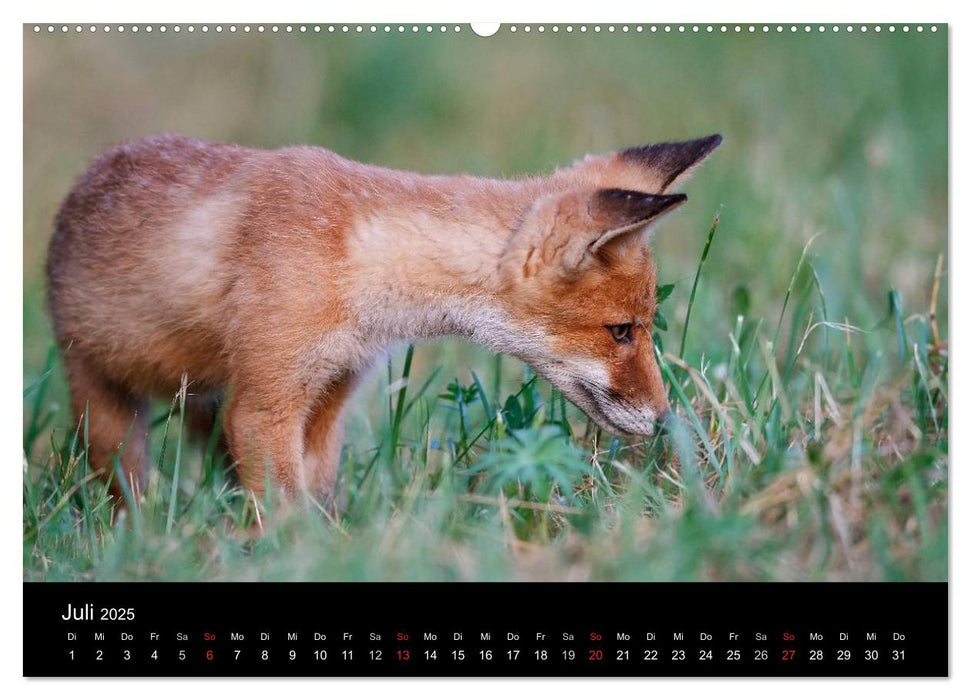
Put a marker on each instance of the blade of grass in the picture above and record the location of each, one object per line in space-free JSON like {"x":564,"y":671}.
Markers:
{"x":397,"y":414}
{"x":470,"y":444}
{"x":692,"y":416}
{"x":38,"y":419}
{"x":173,"y":496}
{"x":483,"y":399}
{"x":421,"y":390}
{"x":694,"y":286}
{"x":896,"y":311}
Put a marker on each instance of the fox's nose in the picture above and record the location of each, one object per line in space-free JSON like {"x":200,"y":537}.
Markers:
{"x":663,"y":417}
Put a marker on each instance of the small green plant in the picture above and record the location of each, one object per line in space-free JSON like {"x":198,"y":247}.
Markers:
{"x":529,"y":463}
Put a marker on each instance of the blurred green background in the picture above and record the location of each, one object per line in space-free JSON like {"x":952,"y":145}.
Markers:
{"x":836,"y":134}
{"x":839,"y":138}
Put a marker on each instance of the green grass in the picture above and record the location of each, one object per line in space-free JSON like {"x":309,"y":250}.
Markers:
{"x":814,"y":452}
{"x":803,"y":342}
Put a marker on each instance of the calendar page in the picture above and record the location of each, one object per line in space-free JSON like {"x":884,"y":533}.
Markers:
{"x":539,"y":349}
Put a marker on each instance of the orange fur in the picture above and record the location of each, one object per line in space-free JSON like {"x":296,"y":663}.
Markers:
{"x":274,"y":279}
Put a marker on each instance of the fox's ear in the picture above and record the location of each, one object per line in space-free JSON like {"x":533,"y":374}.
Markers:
{"x":616,"y":217}
{"x":671,"y":163}
{"x":568,"y":232}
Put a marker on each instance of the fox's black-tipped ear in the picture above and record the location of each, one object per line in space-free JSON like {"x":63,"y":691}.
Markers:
{"x":614,"y":219}
{"x":568,"y":232}
{"x":672,"y":162}
{"x":623,"y":211}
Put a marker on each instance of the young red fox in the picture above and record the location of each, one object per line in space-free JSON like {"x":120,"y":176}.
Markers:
{"x":274,"y":279}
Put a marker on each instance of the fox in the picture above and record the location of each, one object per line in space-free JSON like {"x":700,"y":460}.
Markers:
{"x":270,"y":281}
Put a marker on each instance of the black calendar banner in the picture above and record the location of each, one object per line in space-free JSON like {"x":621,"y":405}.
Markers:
{"x":485,"y":629}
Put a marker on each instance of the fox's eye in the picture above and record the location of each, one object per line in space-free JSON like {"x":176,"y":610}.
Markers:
{"x":621,"y":333}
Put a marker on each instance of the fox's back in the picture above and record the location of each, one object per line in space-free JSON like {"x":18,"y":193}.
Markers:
{"x":140,"y":265}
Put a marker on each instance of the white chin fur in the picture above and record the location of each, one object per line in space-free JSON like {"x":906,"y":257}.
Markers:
{"x":630,"y":421}
{"x":579,"y":380}
{"x":622,"y":418}
{"x":618,"y":419}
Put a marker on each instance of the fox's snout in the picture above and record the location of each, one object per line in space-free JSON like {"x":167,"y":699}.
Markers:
{"x":627,"y":419}
{"x":617,"y":414}
{"x":626,"y":411}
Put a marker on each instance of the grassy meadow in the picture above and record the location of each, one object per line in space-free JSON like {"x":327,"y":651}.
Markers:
{"x":804,"y":329}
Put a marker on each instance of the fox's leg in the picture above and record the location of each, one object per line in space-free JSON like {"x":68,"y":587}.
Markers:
{"x":266,"y":432}
{"x":117,"y":425}
{"x":324,"y":434}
